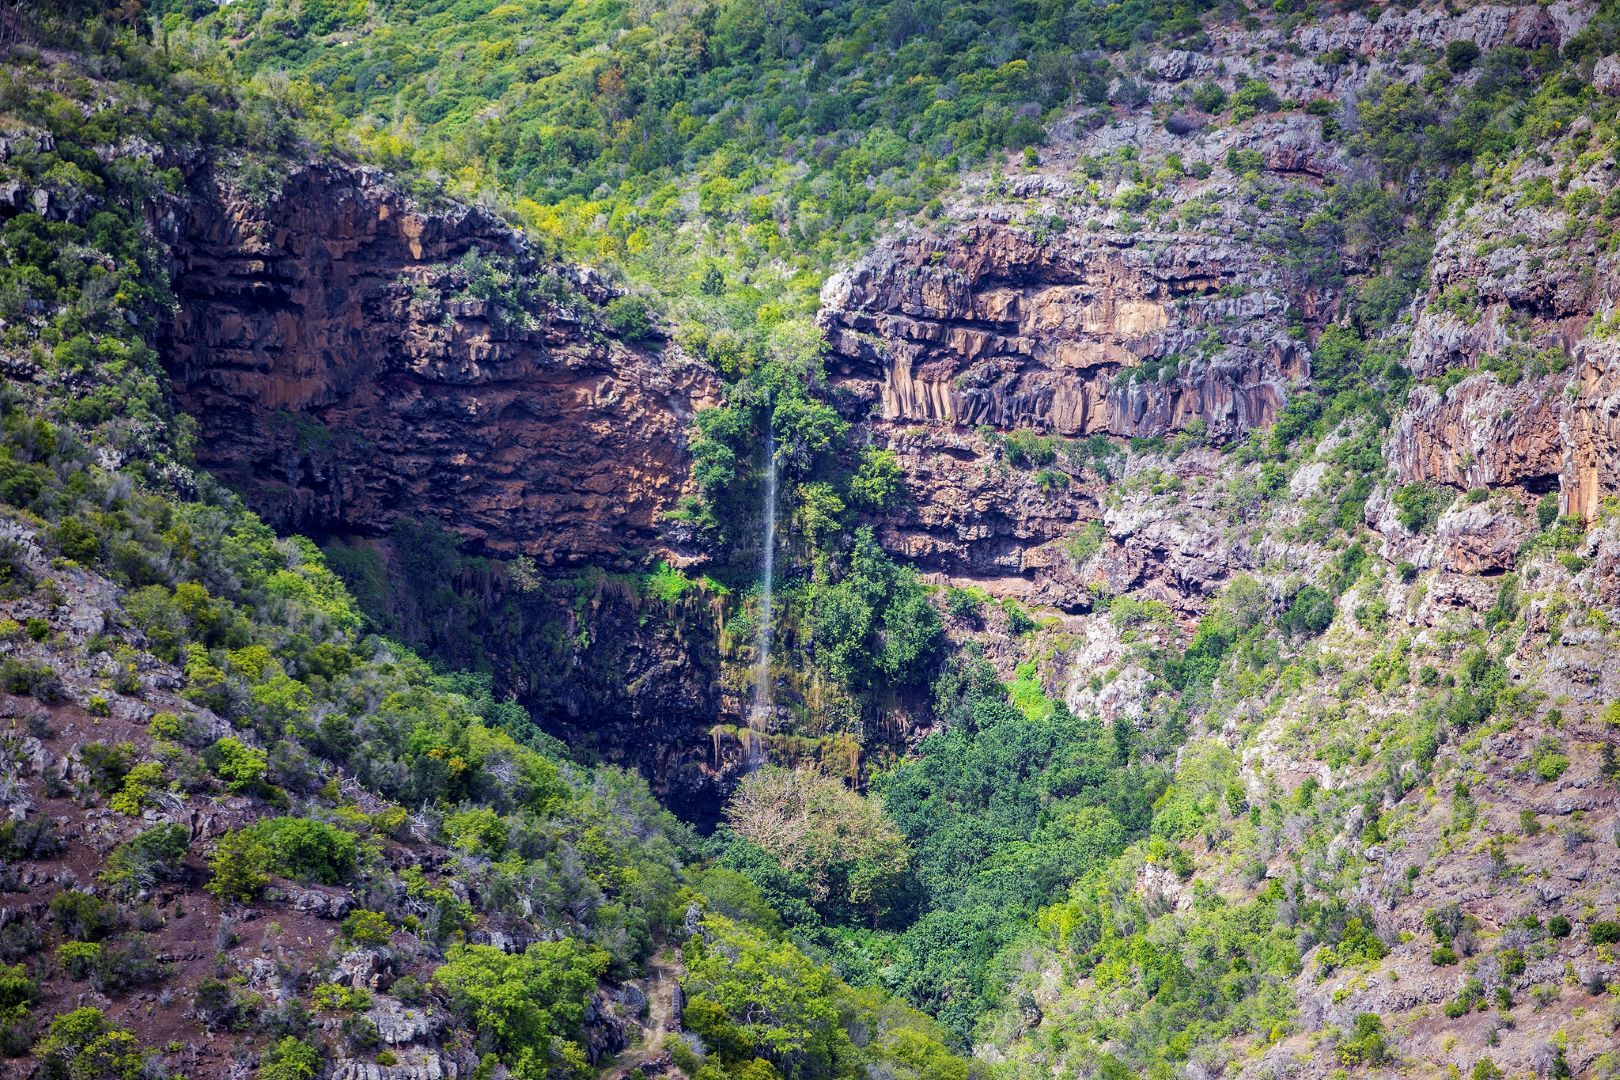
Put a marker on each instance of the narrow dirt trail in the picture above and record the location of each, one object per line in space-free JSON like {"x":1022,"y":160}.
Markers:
{"x":662,"y":985}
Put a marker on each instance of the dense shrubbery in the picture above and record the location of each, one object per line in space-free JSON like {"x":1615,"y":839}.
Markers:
{"x":529,"y":1005}
{"x":874,"y":626}
{"x":763,"y":1009}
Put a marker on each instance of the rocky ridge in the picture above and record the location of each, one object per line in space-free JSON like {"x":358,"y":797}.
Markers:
{"x":1139,"y":281}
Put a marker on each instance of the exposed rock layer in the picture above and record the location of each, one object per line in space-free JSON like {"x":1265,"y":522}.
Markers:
{"x":351,"y":363}
{"x":348,"y":368}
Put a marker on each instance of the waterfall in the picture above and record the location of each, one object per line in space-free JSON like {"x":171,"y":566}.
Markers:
{"x":760,"y":714}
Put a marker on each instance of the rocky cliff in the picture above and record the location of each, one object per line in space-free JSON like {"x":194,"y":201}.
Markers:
{"x":353,"y":356}
{"x":1150,"y":276}
{"x":1521,"y":290}
{"x":1156,"y":274}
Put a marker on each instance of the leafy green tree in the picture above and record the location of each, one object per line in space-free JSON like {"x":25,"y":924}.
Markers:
{"x":84,"y":1045}
{"x":875,"y":626}
{"x":531,"y":1003}
{"x":748,"y":996}
{"x":240,"y":866}
{"x":1309,"y":613}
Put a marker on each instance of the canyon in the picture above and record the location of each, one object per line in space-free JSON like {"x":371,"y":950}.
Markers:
{"x":1218,"y":491}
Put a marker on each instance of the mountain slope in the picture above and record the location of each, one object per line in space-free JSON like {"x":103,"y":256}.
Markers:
{"x":1194,"y":616}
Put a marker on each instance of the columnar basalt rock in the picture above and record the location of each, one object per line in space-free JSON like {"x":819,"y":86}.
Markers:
{"x":1000,"y":326}
{"x":1591,"y":430}
{"x":1039,"y":304}
{"x":353,"y":356}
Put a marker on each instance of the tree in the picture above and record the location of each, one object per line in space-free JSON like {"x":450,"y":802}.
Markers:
{"x":749,"y":996}
{"x":1460,"y":55}
{"x":531,"y":1004}
{"x":1310,"y":613}
{"x":875,"y":626}
{"x":844,"y":844}
{"x":240,"y":867}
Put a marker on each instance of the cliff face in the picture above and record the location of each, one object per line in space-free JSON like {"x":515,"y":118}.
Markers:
{"x":353,"y":357}
{"x":1128,"y":285}
{"x":1520,"y":293}
{"x":999,"y":325}
{"x":1155,"y":275}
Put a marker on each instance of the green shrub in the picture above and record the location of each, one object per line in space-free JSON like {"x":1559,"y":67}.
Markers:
{"x":1419,"y":506}
{"x":19,"y":993}
{"x":107,"y":764}
{"x":290,"y":1059}
{"x":34,"y":837}
{"x":83,"y":917}
{"x":1365,"y":1044}
{"x":1019,"y":621}
{"x":478,"y":831}
{"x":151,"y":856}
{"x":24,"y":679}
{"x":241,"y":767}
{"x":1547,"y":511}
{"x":875,"y":626}
{"x":1460,"y":55}
{"x":219,"y":1007}
{"x":1605,"y":932}
{"x":368,"y":928}
{"x":1549,"y":760}
{"x":240,"y":866}
{"x":629,"y":318}
{"x":336,"y":997}
{"x":1209,"y":98}
{"x":1309,"y":613}
{"x":306,"y":850}
{"x":1252,"y":98}
{"x":1051,"y":481}
{"x":1024,"y":448}
{"x":79,"y":958}
{"x":964,"y":604}
{"x":83,"y":1043}
{"x":667,"y":584}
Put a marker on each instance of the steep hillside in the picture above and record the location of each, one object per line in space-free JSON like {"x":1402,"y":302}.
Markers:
{"x":1190,"y":645}
{"x":240,"y":834}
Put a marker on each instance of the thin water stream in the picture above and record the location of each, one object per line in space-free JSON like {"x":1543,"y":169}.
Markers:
{"x":760,"y":713}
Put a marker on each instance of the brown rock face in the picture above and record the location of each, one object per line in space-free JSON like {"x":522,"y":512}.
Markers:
{"x":999,"y":326}
{"x":1481,"y":434}
{"x":353,"y":358}
{"x":1591,"y":463}
{"x":1514,"y":296}
{"x":1042,"y":302}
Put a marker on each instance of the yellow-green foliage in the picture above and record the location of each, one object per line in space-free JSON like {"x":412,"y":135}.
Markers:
{"x":530,"y":1004}
{"x":751,"y":997}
